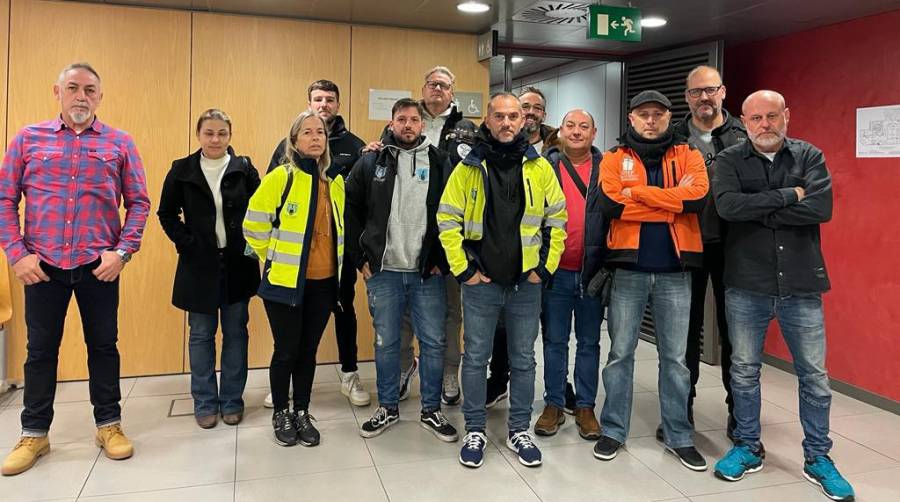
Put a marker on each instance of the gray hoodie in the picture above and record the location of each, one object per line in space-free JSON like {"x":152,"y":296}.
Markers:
{"x":408,"y":220}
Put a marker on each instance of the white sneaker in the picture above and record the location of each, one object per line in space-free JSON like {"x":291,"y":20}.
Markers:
{"x":267,"y":402}
{"x":353,"y":389}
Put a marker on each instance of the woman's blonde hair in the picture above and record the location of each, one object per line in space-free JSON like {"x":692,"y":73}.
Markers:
{"x":290,"y":149}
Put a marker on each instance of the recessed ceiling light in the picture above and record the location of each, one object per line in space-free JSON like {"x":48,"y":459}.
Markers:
{"x":652,"y":22}
{"x":517,"y":59}
{"x":473,"y":6}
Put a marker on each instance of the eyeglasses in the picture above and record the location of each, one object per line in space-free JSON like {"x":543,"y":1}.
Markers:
{"x":527,"y":106}
{"x":698,"y":91}
{"x":434,"y":84}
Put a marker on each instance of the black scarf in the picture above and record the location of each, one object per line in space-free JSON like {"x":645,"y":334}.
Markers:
{"x":650,"y":151}
{"x":503,"y":155}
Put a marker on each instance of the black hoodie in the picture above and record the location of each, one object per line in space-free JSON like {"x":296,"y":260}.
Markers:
{"x":501,"y":245}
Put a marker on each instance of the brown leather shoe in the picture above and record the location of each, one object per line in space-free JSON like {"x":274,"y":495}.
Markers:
{"x":588,"y":427}
{"x":233,"y":418}
{"x":207,"y":421}
{"x":550,"y":420}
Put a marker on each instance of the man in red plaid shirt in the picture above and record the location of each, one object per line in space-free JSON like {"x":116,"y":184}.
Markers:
{"x":73,"y":171}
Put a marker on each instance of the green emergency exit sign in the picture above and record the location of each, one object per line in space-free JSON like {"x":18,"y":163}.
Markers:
{"x":615,"y":23}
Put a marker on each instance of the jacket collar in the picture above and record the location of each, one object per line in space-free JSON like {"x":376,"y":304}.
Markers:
{"x":193,"y":174}
{"x":338,"y":129}
{"x":478,"y":153}
{"x":730,"y":122}
{"x":555,"y":152}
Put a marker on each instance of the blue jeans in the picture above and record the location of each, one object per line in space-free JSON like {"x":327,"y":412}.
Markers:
{"x":390,"y":294}
{"x":669,"y":295}
{"x":208,"y":400}
{"x":564,"y":296}
{"x":802,"y":325}
{"x":483,"y":304}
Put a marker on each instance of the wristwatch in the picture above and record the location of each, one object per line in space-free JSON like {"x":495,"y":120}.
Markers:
{"x":125,"y":256}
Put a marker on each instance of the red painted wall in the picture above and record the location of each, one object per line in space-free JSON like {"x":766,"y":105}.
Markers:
{"x":825,"y":74}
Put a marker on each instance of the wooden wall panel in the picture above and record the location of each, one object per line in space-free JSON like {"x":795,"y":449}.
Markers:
{"x":397,"y":59}
{"x":160,"y":69}
{"x":143,"y":57}
{"x":257,"y":70}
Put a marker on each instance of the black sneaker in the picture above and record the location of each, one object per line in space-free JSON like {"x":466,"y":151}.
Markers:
{"x":307,"y":434}
{"x":437,"y":424}
{"x":606,"y":448}
{"x":690,"y":457}
{"x":495,"y":394}
{"x":285,"y":431}
{"x":659,"y":434}
{"x":570,"y":404}
{"x":380,"y":421}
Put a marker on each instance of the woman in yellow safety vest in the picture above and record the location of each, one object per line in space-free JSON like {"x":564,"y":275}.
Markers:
{"x":295,"y":224}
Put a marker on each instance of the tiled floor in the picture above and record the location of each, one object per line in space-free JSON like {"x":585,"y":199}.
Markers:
{"x":176,"y":461}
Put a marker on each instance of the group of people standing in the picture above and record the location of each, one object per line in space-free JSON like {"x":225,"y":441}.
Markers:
{"x":508,"y":229}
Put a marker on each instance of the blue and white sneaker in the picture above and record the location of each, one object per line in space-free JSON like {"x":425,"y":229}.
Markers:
{"x":821,"y":471}
{"x":739,"y":460}
{"x":472,"y":452}
{"x":523,"y":444}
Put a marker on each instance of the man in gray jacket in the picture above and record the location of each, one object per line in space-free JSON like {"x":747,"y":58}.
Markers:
{"x":395,"y":246}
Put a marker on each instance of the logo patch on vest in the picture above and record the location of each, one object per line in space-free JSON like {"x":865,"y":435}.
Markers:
{"x":291,"y":208}
{"x":380,"y":172}
{"x":628,"y":173}
{"x":463,"y":150}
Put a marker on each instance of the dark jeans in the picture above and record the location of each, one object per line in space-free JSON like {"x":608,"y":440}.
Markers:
{"x":45,"y":315}
{"x":714,"y":268}
{"x":345,"y":319}
{"x":297,"y":332}
{"x":210,"y":399}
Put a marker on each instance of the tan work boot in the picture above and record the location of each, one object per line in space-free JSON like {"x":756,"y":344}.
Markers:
{"x":27,"y":451}
{"x":550,"y":420}
{"x":588,"y":427}
{"x":113,"y":441}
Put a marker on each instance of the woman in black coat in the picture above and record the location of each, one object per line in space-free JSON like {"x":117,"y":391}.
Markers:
{"x":201,"y":209}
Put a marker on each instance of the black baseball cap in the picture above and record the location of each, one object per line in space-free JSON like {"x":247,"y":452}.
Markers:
{"x":650,"y":96}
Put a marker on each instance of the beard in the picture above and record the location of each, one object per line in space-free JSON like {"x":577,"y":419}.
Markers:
{"x":707,"y":111}
{"x":79,"y":117}
{"x":769,"y":139}
{"x":531,"y":129}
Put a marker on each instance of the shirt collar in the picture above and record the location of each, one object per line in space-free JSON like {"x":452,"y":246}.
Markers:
{"x":96,"y":126}
{"x":750,"y":151}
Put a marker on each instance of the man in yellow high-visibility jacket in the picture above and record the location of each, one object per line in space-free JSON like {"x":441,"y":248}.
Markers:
{"x":502,"y":224}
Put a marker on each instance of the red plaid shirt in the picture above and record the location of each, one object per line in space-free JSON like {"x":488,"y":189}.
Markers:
{"x":73,"y":184}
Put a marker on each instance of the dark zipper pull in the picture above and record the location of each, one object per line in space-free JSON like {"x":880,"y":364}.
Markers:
{"x":674,"y":177}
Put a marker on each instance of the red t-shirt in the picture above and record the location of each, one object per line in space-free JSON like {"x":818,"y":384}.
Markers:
{"x":574,"y":253}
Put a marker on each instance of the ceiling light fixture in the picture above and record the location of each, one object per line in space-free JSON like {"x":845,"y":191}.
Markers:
{"x":652,"y":22}
{"x":517,"y":59}
{"x":473,"y":6}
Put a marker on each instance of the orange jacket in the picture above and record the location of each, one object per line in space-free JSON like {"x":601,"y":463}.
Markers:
{"x":677,"y":205}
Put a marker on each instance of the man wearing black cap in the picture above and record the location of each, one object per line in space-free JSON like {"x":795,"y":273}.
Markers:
{"x":653,"y":185}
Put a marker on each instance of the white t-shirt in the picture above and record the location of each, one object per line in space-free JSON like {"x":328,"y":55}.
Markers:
{"x":213,"y":170}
